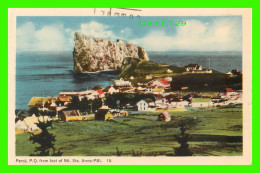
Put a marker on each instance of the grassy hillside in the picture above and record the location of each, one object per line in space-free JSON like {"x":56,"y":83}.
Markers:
{"x":215,"y":81}
{"x":214,"y":131}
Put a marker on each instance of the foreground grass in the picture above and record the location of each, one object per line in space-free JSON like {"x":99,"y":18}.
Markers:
{"x":214,"y":131}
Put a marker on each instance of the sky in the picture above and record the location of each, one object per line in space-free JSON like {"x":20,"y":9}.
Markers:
{"x":201,"y":33}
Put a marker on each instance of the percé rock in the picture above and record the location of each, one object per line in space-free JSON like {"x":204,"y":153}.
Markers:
{"x":92,"y":54}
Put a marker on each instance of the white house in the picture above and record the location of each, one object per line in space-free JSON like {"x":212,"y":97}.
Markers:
{"x":148,"y":76}
{"x":144,"y":106}
{"x":122,"y":83}
{"x":112,"y":90}
{"x":169,"y":71}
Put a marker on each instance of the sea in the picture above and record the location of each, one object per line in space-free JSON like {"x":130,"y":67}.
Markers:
{"x":45,"y":74}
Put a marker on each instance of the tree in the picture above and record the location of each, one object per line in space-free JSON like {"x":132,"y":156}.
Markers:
{"x":45,"y":140}
{"x":96,"y":104}
{"x":183,"y":150}
{"x":75,"y":103}
{"x":97,"y":87}
{"x":111,"y":101}
{"x":85,"y":105}
{"x":34,"y":110}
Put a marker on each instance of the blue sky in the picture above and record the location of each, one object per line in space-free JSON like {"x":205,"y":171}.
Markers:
{"x":202,"y":33}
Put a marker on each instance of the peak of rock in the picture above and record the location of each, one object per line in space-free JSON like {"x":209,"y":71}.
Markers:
{"x":93,"y":54}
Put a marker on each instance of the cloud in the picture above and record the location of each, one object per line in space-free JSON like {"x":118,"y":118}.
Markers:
{"x":217,"y":35}
{"x":97,"y":30}
{"x":223,"y":35}
{"x":47,"y":38}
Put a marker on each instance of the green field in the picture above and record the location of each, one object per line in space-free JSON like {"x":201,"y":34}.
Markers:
{"x":213,"y":131}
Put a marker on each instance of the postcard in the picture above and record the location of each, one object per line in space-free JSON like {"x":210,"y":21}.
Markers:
{"x":130,"y":86}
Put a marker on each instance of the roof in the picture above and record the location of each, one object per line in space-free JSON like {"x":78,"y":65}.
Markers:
{"x":38,"y":101}
{"x":165,"y":113}
{"x":164,"y":81}
{"x":100,"y":92}
{"x":64,"y":98}
{"x":71,"y":113}
{"x":147,"y":100}
{"x":104,"y":107}
{"x":229,"y":90}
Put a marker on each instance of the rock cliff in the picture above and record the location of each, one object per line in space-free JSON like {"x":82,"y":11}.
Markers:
{"x":92,"y":54}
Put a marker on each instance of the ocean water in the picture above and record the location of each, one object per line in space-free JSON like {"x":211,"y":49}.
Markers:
{"x":48,"y":74}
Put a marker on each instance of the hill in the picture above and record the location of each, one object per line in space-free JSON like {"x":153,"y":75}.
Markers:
{"x":139,"y":69}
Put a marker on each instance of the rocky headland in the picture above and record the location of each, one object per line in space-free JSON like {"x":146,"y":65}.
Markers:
{"x":93,"y":54}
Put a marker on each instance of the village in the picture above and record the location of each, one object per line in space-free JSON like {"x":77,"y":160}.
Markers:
{"x":122,"y":98}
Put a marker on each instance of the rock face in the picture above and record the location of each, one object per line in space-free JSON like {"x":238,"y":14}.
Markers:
{"x":92,"y":54}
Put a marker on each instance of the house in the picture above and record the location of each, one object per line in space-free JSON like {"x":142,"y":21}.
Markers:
{"x":230,"y":91}
{"x":122,"y":83}
{"x":72,"y":115}
{"x":201,"y":102}
{"x":63,"y":100}
{"x":42,"y":103}
{"x":103,"y":113}
{"x":149,"y":76}
{"x":193,"y":67}
{"x":169,"y":79}
{"x":164,"y":116}
{"x":37,"y":102}
{"x":69,"y":94}
{"x":99,"y":94}
{"x":143,"y":105}
{"x":132,"y":78}
{"x":20,"y":124}
{"x":233,"y":74}
{"x":141,"y":84}
{"x":111,"y":89}
{"x":158,"y":90}
{"x":160,"y":83}
{"x":169,"y":71}
{"x":179,"y":104}
{"x":30,"y":123}
{"x":140,"y":89}
{"x":88,"y":117}
{"x":119,"y":113}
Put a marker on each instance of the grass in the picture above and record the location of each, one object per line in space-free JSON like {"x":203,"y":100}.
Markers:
{"x":213,"y":131}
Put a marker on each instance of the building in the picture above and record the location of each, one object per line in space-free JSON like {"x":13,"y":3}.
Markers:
{"x":149,"y":76}
{"x":63,"y":100}
{"x":169,"y":71}
{"x":159,"y":83}
{"x":103,"y":113}
{"x":132,"y":78}
{"x":179,"y":104}
{"x":164,"y":116}
{"x":72,"y":115}
{"x":119,"y":113}
{"x":111,"y":89}
{"x":122,"y":83}
{"x":230,"y":91}
{"x":193,"y":67}
{"x":143,"y":105}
